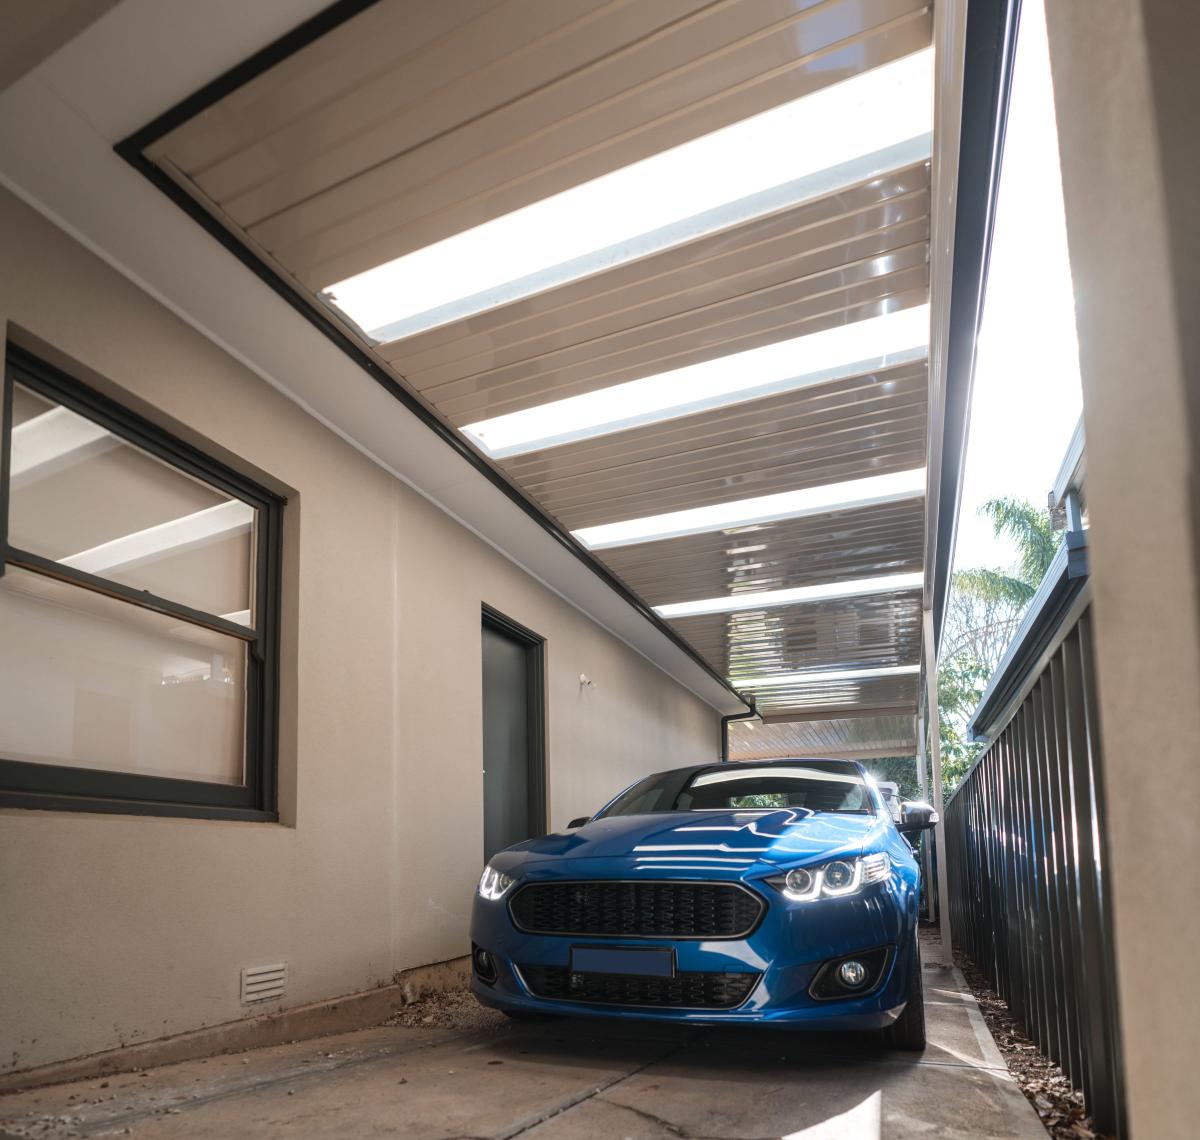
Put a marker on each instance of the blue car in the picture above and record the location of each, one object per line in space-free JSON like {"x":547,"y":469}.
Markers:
{"x":779,"y":892}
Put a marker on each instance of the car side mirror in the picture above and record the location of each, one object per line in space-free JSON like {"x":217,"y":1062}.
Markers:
{"x":915,"y":816}
{"x":579,"y":822}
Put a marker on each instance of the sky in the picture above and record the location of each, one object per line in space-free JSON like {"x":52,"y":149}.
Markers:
{"x":1026,"y":399}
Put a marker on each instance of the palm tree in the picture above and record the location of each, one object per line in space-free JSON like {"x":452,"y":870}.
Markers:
{"x":1036,"y":542}
{"x":1031,"y":529}
{"x":986,"y":605}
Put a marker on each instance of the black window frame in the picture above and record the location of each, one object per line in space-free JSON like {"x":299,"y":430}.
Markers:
{"x":55,"y":787}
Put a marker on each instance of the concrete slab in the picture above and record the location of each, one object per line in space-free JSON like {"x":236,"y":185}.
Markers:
{"x":563,"y":1080}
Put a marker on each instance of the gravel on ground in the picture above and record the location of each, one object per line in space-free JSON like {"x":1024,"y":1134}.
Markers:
{"x":450,"y":1009}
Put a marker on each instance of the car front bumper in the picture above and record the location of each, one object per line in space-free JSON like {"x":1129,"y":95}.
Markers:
{"x":786,"y":950}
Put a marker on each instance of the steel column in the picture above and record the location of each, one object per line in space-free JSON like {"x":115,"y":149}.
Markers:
{"x":935,"y":752}
{"x":923,"y":788}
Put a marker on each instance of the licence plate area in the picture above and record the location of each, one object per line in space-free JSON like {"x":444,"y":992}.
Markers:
{"x":645,"y":962}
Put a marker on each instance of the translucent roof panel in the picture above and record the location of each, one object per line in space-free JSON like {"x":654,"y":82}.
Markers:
{"x":844,"y":134}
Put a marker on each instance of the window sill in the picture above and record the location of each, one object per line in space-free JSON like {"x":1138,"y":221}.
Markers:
{"x":44,"y":801}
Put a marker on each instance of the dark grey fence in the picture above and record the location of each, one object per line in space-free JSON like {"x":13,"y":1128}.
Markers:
{"x":1026,"y":859}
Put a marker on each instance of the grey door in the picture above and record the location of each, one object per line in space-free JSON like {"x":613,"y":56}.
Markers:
{"x":512,"y":760}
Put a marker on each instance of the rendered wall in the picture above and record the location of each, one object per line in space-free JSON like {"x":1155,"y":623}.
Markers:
{"x":1127,"y":96}
{"x":120,"y":929}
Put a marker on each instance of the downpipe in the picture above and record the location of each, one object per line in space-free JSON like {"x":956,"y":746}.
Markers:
{"x":727,"y":720}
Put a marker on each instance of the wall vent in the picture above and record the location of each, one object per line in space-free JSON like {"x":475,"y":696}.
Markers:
{"x":263,"y":983}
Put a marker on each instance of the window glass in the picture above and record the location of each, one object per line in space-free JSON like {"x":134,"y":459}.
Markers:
{"x":82,"y":496}
{"x":798,"y":787}
{"x":87,"y":681}
{"x":648,"y":800}
{"x":822,"y":787}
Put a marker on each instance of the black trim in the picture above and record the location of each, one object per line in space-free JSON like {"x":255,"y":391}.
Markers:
{"x":36,"y":801}
{"x":33,"y":372}
{"x":47,"y":567}
{"x":132,"y":150}
{"x":30,"y":777}
{"x":535,"y":656}
{"x":55,"y":787}
{"x":534,"y":884}
{"x":987,"y":79}
{"x":240,"y":74}
{"x":6,"y":414}
{"x":691,"y":989}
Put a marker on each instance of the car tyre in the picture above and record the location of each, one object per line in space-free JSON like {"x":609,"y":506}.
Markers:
{"x":907,"y":1032}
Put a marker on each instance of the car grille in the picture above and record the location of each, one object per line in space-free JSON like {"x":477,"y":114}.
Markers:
{"x":638,"y":910}
{"x":683,"y":991}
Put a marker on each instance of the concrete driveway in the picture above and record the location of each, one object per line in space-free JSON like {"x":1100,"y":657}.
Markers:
{"x":562,"y":1080}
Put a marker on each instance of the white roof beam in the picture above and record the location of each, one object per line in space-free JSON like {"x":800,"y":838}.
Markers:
{"x":45,"y":439}
{"x":171,"y":537}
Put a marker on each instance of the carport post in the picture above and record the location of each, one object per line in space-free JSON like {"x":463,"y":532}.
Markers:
{"x":923,"y":788}
{"x":935,"y":752}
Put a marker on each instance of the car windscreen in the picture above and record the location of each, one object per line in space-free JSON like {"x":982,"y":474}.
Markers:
{"x":836,"y":788}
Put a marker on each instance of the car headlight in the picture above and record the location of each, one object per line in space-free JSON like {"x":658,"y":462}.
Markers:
{"x":493,"y":883}
{"x":832,"y":880}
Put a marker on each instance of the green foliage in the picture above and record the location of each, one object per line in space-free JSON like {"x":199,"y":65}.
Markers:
{"x":962,"y":680}
{"x":759,"y":800}
{"x":900,"y":770}
{"x":1031,"y":530}
{"x":993,"y":586}
{"x":986,"y":605}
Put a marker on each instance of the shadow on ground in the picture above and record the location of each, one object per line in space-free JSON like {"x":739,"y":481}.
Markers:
{"x":565,"y":1079}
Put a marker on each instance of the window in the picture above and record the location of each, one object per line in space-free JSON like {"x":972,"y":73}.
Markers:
{"x":817,"y":786}
{"x":139,"y":595}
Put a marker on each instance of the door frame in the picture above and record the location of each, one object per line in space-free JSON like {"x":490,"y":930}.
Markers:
{"x":535,"y":697}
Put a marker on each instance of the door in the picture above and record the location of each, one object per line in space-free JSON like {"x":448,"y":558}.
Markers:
{"x":513,"y":754}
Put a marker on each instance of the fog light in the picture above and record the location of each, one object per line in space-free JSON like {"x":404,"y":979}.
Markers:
{"x":859,"y":973}
{"x":485,"y":964}
{"x":852,"y":973}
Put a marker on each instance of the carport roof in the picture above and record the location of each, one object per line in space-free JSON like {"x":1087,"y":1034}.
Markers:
{"x":383,"y":129}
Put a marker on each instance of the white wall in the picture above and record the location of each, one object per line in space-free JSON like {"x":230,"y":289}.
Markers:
{"x":120,"y":929}
{"x":1127,"y":94}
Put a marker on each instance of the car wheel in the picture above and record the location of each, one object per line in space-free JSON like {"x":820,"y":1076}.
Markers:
{"x":908,"y":1031}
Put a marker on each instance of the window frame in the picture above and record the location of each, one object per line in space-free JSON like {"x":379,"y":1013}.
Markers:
{"x":56,"y":787}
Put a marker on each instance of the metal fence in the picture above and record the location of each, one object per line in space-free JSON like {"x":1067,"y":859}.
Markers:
{"x":1026,"y":857}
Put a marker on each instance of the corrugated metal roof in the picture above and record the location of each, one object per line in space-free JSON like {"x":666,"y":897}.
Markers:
{"x":855,"y":738}
{"x":873,"y":424}
{"x":418,"y":119}
{"x":837,"y":260}
{"x":851,"y":633}
{"x":830,"y":698}
{"x":883,"y":539}
{"x":415,"y":120}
